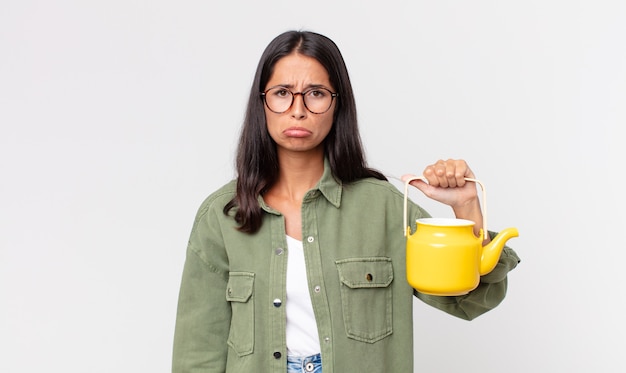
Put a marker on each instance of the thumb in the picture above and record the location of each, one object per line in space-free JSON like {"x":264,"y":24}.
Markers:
{"x":416,"y":181}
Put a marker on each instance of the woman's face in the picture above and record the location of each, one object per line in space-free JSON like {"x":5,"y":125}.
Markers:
{"x":298,"y":129}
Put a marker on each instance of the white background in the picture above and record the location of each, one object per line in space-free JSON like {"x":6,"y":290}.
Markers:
{"x":117,"y":118}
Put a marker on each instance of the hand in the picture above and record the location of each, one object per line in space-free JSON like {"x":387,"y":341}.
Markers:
{"x":447,"y":184}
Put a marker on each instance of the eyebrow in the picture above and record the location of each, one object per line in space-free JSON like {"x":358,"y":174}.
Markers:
{"x":290,"y":86}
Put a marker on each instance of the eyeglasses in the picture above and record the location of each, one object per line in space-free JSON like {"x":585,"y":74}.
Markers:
{"x":317,"y":100}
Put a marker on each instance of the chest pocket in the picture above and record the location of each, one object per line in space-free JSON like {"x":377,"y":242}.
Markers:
{"x":366,"y":297}
{"x":239,"y":292}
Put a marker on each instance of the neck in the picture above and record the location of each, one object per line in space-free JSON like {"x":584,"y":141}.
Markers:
{"x":298,"y":174}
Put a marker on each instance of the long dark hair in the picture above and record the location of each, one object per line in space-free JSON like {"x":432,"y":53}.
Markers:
{"x":257,"y":160}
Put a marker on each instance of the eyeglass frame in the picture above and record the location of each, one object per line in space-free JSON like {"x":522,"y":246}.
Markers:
{"x":293,"y":98}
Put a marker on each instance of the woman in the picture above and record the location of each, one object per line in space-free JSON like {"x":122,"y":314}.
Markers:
{"x":297,"y":264}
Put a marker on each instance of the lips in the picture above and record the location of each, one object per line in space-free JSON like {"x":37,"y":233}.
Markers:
{"x":297,"y":132}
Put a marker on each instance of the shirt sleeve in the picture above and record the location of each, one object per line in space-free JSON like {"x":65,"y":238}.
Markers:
{"x":203,"y":314}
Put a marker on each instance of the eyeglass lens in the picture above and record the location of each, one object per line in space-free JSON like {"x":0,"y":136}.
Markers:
{"x":316,"y":100}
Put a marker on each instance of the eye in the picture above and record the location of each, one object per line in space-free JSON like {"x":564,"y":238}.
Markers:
{"x":279,"y":92}
{"x":316,"y":93}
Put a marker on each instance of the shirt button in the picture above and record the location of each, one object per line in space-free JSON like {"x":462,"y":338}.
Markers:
{"x":326,"y":339}
{"x":279,"y":251}
{"x":277,"y":302}
{"x":277,"y":355}
{"x":310,"y":239}
{"x":317,"y":288}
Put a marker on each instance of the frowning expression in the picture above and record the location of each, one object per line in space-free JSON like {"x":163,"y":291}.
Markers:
{"x":298,"y":129}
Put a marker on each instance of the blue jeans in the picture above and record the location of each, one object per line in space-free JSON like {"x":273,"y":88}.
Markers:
{"x":308,"y":364}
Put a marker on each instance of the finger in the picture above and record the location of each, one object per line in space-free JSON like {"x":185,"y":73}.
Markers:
{"x":442,"y":171}
{"x":462,"y":172}
{"x":452,"y":170}
{"x":429,"y":174}
{"x":459,"y":172}
{"x":435,"y":173}
{"x":416,"y":181}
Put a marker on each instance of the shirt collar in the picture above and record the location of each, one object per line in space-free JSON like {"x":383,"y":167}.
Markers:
{"x":328,"y":186}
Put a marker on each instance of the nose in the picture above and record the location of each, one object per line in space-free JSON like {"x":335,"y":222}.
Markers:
{"x":298,"y":110}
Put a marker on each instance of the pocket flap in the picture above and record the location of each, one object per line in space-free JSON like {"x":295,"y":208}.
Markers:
{"x":240,"y":285}
{"x":365,"y":272}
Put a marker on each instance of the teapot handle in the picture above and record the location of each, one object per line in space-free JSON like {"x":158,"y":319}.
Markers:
{"x":406,"y":228}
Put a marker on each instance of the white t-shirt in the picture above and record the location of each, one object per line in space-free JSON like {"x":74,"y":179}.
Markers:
{"x":302,"y":337}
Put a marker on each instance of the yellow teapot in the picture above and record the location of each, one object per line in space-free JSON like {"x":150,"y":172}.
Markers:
{"x":444,"y":257}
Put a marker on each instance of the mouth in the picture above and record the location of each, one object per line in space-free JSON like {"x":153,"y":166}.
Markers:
{"x":296,"y":132}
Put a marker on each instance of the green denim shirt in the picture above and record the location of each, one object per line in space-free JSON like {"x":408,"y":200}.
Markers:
{"x":231,"y":314}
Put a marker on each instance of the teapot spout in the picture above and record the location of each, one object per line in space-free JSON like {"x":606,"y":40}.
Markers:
{"x":491,"y":252}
